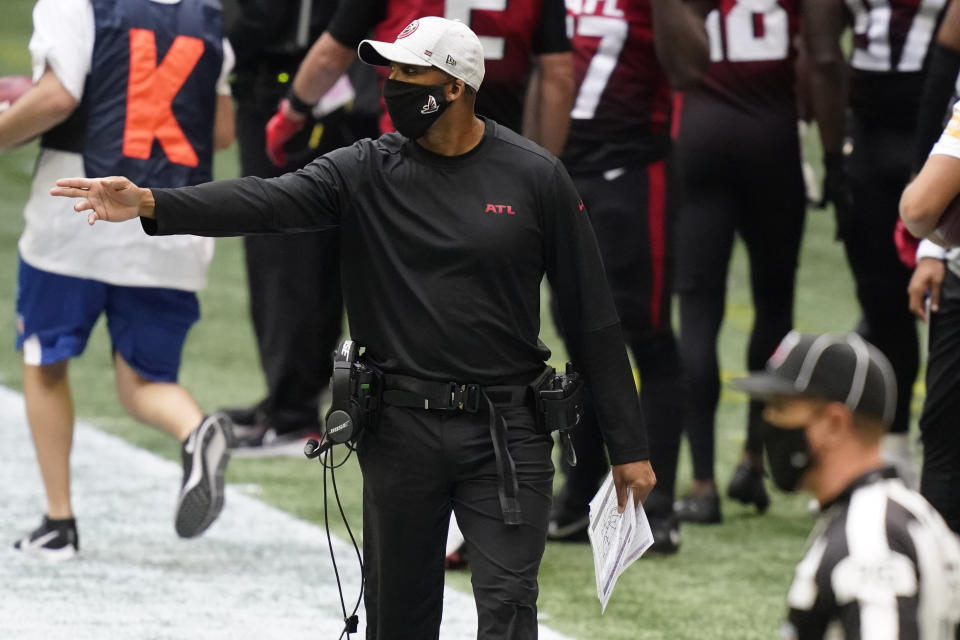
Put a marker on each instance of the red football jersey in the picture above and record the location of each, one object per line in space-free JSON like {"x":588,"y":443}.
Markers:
{"x":623,"y":105}
{"x":511,"y":32}
{"x":891,"y":39}
{"x":752,"y":54}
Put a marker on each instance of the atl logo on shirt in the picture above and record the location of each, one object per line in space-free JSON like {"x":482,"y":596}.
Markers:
{"x":500,"y":209}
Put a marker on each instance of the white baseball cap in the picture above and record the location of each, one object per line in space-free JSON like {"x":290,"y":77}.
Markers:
{"x":448,"y":45}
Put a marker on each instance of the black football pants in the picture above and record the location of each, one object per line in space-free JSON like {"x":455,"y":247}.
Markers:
{"x":416,"y":466}
{"x":878,"y":169}
{"x":294,"y":279}
{"x":940,"y":421}
{"x":755,"y":191}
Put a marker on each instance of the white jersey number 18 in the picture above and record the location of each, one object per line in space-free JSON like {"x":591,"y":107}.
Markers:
{"x":755,"y":30}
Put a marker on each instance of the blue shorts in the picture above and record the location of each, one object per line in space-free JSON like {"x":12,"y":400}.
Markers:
{"x":148,"y":326}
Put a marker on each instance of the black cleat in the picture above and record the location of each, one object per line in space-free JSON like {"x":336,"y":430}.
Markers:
{"x":746,"y":486}
{"x":246,"y":416}
{"x":205,"y":455}
{"x":701,"y":508}
{"x":261,"y":441}
{"x":256,"y":436}
{"x":666,"y":534}
{"x":53,"y":540}
{"x":567,"y":527}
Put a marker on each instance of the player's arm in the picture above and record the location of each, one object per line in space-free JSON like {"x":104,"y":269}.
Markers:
{"x":549,"y":100}
{"x":310,"y":199}
{"x":328,"y":59}
{"x":823,"y":24}
{"x":335,"y":50}
{"x":925,"y":199}
{"x":324,"y":64}
{"x":224,"y":127}
{"x":41,"y":108}
{"x":551,"y":89}
{"x":943,"y":65}
{"x":681,"y":42}
{"x":224,"y":121}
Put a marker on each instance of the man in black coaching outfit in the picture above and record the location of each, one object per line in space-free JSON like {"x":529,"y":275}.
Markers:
{"x":447,"y":229}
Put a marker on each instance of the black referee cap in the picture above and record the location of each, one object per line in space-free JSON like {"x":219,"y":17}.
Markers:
{"x":842,"y":368}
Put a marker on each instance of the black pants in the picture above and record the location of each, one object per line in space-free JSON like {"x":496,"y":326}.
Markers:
{"x":878,"y":169}
{"x":294,"y":279}
{"x":755,"y":191}
{"x":940,"y":421}
{"x":631,"y":210}
{"x":416,"y":466}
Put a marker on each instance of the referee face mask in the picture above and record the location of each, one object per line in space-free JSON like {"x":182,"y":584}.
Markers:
{"x":789,"y":456}
{"x":414,"y":108}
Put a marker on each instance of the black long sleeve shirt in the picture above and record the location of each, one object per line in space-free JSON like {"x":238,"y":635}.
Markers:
{"x":442,"y":260}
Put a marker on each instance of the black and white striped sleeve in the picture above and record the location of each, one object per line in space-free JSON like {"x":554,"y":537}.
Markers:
{"x":885,"y":568}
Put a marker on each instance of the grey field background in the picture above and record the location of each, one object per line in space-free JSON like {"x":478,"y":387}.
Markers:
{"x":727,"y":582}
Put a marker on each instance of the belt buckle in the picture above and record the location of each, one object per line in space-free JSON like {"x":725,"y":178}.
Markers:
{"x":465,"y":397}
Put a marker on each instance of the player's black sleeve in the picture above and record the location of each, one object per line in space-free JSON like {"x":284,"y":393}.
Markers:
{"x":936,"y":100}
{"x":551,"y":34}
{"x":591,"y":326}
{"x":309,"y":199}
{"x":355,"y":19}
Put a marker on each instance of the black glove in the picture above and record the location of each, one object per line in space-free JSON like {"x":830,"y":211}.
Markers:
{"x":836,"y":191}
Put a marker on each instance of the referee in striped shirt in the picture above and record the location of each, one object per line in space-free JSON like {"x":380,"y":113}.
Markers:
{"x":882,"y":563}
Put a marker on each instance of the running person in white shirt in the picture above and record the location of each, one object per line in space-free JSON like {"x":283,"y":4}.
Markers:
{"x":882,"y":564}
{"x":121,"y":87}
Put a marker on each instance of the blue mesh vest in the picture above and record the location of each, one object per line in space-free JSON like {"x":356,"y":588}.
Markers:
{"x":149,"y":101}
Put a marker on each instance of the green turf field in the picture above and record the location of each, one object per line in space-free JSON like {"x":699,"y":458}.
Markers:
{"x":728,"y":581}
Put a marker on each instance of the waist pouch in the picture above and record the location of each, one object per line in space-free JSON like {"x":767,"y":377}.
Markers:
{"x":410,"y":392}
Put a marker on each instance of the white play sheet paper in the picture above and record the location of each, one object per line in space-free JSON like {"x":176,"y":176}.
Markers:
{"x":618,"y":539}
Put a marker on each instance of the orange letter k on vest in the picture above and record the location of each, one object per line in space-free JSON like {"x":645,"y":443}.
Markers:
{"x":150,"y":93}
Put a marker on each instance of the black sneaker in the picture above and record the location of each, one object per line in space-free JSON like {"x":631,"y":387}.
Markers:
{"x":701,"y":508}
{"x":746,"y":486}
{"x":666,"y":534}
{"x":568,"y":527}
{"x":246,"y":416}
{"x":262,"y":441}
{"x":205,"y":455}
{"x":53,"y":540}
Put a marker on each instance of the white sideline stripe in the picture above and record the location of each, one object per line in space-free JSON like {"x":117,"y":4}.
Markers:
{"x":257,"y":573}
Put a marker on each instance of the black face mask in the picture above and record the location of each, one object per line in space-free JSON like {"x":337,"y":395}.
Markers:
{"x":413,"y":108}
{"x":788,"y":452}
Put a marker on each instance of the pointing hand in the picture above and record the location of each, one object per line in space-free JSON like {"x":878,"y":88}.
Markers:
{"x":112,"y":199}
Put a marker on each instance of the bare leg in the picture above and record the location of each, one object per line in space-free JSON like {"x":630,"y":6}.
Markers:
{"x":46,"y":390}
{"x":165,"y":405}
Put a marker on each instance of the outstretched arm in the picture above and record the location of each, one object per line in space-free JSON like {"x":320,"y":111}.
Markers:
{"x":310,"y":199}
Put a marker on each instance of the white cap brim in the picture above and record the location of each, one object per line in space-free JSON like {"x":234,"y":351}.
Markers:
{"x":381,"y":54}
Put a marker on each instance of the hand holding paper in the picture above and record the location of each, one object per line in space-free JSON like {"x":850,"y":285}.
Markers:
{"x":618,"y":536}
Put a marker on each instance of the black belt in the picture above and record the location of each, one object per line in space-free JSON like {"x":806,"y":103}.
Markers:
{"x":405,"y":391}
